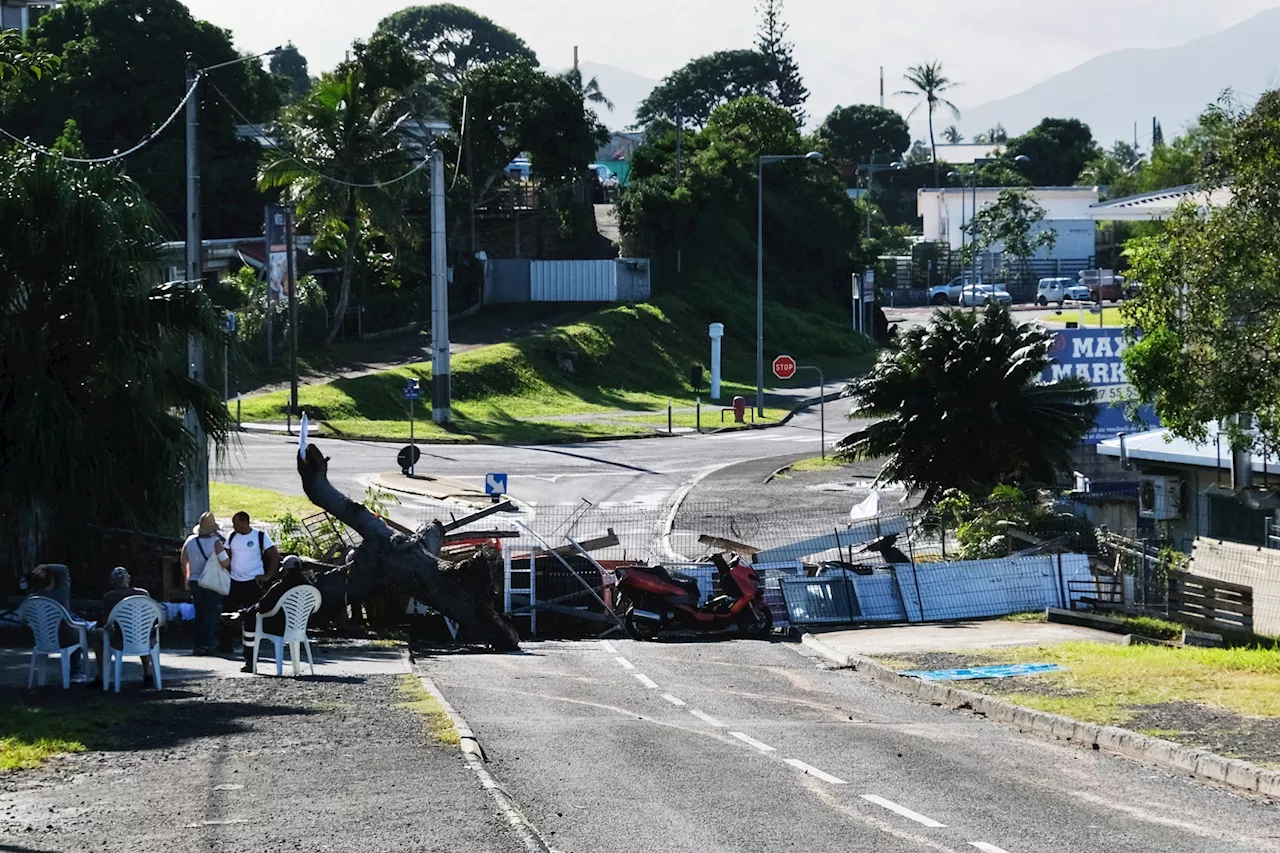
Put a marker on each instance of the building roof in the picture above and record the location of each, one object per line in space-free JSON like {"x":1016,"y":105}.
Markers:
{"x":1163,"y":447}
{"x":1160,"y":204}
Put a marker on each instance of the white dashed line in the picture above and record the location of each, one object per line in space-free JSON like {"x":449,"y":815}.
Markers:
{"x":626,"y":664}
{"x":903,"y":810}
{"x":986,"y":848}
{"x":815,"y":772}
{"x":708,"y":719}
{"x":750,"y":741}
{"x":679,"y":703}
{"x":608,"y":647}
{"x":646,"y":680}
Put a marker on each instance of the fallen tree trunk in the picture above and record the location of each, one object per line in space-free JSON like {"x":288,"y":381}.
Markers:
{"x":463,"y":591}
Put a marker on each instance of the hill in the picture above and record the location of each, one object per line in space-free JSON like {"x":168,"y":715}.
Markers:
{"x":1113,"y":91}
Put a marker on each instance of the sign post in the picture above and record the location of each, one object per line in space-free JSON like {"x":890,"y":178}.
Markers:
{"x":413,"y":394}
{"x":785,"y":367}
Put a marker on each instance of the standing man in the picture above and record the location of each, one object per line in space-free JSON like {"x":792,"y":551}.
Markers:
{"x":203,"y":541}
{"x":254,"y":560}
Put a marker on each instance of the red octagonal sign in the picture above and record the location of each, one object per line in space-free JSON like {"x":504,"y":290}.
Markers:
{"x":784,"y":367}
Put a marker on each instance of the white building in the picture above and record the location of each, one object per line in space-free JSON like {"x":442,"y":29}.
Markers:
{"x":1068,"y":210}
{"x":20,"y":14}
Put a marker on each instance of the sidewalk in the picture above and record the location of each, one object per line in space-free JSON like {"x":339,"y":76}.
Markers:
{"x":950,"y":637}
{"x":225,"y":761}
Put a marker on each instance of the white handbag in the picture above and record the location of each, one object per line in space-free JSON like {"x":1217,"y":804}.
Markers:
{"x":215,"y":578}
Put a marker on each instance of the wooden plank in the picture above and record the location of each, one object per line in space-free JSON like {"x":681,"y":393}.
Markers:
{"x":503,"y":506}
{"x":609,"y":540}
{"x":728,"y":545}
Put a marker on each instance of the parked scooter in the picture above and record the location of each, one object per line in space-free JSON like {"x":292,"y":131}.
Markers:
{"x":651,"y":599}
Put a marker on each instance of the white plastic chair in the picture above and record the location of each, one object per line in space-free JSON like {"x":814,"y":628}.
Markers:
{"x":44,"y":615}
{"x":297,"y":605}
{"x":136,"y":615}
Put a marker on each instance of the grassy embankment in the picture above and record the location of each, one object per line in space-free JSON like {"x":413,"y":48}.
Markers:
{"x":631,"y":358}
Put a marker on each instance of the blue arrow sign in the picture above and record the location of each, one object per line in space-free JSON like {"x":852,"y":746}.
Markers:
{"x":411,"y":390}
{"x":495,"y":484}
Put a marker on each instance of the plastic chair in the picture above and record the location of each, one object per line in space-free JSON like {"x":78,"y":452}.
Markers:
{"x":136,"y":615}
{"x":43,"y":615}
{"x":297,"y":605}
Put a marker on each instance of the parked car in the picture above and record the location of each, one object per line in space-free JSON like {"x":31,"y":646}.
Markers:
{"x":949,"y":293}
{"x":1060,"y":290}
{"x":1103,"y":285}
{"x":608,"y":179}
{"x":984,"y":294}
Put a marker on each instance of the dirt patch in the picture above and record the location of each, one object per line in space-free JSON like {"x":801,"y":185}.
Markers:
{"x":1034,"y":685}
{"x":1222,"y":732}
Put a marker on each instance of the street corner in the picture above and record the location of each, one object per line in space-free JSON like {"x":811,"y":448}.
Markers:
{"x":426,"y":486}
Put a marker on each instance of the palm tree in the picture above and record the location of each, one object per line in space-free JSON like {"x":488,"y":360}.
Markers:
{"x":927,"y":82}
{"x":953,"y":135}
{"x":342,"y":143}
{"x":960,"y":405}
{"x":93,"y":375}
{"x":589,"y":91}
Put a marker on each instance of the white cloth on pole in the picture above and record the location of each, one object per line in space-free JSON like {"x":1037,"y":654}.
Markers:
{"x":868,"y":509}
{"x":302,"y":437}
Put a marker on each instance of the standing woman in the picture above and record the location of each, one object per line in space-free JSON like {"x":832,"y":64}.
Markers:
{"x":205,"y":539}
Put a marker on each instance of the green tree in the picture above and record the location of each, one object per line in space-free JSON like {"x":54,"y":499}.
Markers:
{"x":864,"y":133}
{"x":960,"y":405}
{"x":453,"y":40}
{"x":289,"y":66}
{"x":340,"y":146}
{"x":1209,"y":306}
{"x":18,"y":59}
{"x":590,"y":90}
{"x":1011,"y":222}
{"x":693,"y":92}
{"x":1119,"y":170}
{"x":993,"y":136}
{"x":121,"y":75}
{"x":772,"y":44}
{"x":1059,"y":150}
{"x":930,"y":85}
{"x":92,"y":361}
{"x":952,"y":135}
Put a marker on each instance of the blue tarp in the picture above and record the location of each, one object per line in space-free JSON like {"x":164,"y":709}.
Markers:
{"x":980,"y":672}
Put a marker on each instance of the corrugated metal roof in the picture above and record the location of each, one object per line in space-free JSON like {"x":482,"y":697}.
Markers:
{"x":1162,"y":446}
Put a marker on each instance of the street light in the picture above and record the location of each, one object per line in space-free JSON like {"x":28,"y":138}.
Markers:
{"x":1021,"y":159}
{"x":872,"y":170}
{"x":765,"y":160}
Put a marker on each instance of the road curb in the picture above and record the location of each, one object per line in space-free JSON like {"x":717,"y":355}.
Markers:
{"x":1165,"y":754}
{"x":474,"y":755}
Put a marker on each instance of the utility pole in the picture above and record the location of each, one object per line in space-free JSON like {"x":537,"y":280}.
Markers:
{"x":290,"y":242}
{"x":881,"y":87}
{"x":196,"y":491}
{"x":441,"y":390}
{"x":679,"y":173}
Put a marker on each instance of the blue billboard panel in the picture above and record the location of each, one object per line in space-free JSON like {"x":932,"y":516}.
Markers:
{"x":1097,"y":356}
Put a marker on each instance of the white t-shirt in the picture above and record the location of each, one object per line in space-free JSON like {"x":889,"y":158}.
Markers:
{"x":246,"y":554}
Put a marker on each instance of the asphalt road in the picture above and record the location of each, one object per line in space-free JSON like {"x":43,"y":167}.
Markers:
{"x":620,"y":746}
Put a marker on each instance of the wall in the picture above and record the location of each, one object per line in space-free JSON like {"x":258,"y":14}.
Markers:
{"x":1067,"y":209}
{"x":1258,"y":568}
{"x":517,"y":280}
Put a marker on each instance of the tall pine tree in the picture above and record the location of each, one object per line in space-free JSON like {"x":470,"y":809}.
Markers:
{"x":771,"y":40}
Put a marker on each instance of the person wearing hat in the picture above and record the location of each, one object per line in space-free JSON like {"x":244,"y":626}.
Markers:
{"x":205,"y":539}
{"x":292,"y":573}
{"x":121,"y":588}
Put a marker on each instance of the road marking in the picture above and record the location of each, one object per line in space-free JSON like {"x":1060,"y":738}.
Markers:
{"x":750,"y":741}
{"x":708,"y":719}
{"x":986,"y":848}
{"x":646,"y":680}
{"x":679,"y":703}
{"x":626,"y":664}
{"x":813,"y":771}
{"x":904,"y":811}
{"x":608,"y":647}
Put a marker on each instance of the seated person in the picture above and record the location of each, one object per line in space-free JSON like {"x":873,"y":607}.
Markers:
{"x":291,"y":574}
{"x":121,"y":588}
{"x":53,"y":580}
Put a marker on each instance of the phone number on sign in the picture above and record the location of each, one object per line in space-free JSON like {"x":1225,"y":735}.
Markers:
{"x":1114,"y":394}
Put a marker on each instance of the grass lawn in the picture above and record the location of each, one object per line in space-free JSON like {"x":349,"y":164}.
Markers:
{"x":32,"y":732}
{"x":421,"y":702}
{"x":1109,"y":684}
{"x":631,"y":358}
{"x":225,"y":500}
{"x":1110,"y":317}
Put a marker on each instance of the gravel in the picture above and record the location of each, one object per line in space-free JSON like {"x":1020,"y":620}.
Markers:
{"x":256,"y":764}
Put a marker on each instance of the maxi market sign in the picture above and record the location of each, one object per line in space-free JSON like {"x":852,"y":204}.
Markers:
{"x":1097,"y":356}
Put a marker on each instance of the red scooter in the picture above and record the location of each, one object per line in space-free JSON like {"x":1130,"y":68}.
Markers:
{"x":651,"y":599}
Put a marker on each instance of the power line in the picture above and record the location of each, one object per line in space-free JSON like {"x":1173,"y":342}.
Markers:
{"x":308,"y":166}
{"x":93,"y":161}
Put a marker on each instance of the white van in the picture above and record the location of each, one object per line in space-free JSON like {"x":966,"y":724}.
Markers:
{"x":1060,"y":290}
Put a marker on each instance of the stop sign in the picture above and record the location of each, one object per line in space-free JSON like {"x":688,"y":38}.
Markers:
{"x":784,"y":367}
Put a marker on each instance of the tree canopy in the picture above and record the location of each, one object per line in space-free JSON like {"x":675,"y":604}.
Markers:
{"x":779,"y":53}
{"x":453,"y":40}
{"x":1059,"y":150}
{"x":1011,"y":223}
{"x":1209,"y":305}
{"x":693,"y":92}
{"x":864,"y":133}
{"x":960,"y":405}
{"x":119,"y":78}
{"x":930,"y":85}
{"x":289,"y":66}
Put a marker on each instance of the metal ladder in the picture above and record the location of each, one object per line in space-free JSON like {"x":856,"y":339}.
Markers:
{"x":530,"y":589}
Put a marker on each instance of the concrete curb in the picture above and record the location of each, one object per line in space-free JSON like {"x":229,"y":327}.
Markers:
{"x":1162,"y":753}
{"x":474,"y":755}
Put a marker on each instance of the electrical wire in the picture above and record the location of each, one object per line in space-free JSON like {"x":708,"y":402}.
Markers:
{"x":93,"y":161}
{"x":272,"y":143}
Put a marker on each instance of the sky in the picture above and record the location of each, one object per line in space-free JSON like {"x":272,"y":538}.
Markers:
{"x":994,"y":48}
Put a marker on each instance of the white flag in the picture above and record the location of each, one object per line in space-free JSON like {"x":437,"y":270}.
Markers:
{"x":870,"y":508}
{"x":302,"y":437}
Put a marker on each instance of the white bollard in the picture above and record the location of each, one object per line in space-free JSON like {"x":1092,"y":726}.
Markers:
{"x":717,"y":332}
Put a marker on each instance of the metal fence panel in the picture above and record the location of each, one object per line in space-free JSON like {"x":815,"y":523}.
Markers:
{"x":633,"y":279}
{"x":506,"y":280}
{"x":821,"y":600}
{"x":573,"y":281}
{"x":1246,"y":565}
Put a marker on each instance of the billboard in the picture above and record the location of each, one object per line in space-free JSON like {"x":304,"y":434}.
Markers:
{"x":278,"y":284}
{"x":1097,"y":356}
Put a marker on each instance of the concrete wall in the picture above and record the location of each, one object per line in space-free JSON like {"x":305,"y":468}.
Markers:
{"x":1067,"y":209}
{"x":1250,"y":566}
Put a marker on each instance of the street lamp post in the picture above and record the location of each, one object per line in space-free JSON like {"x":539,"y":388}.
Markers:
{"x":872,"y":170}
{"x":765,"y":160}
